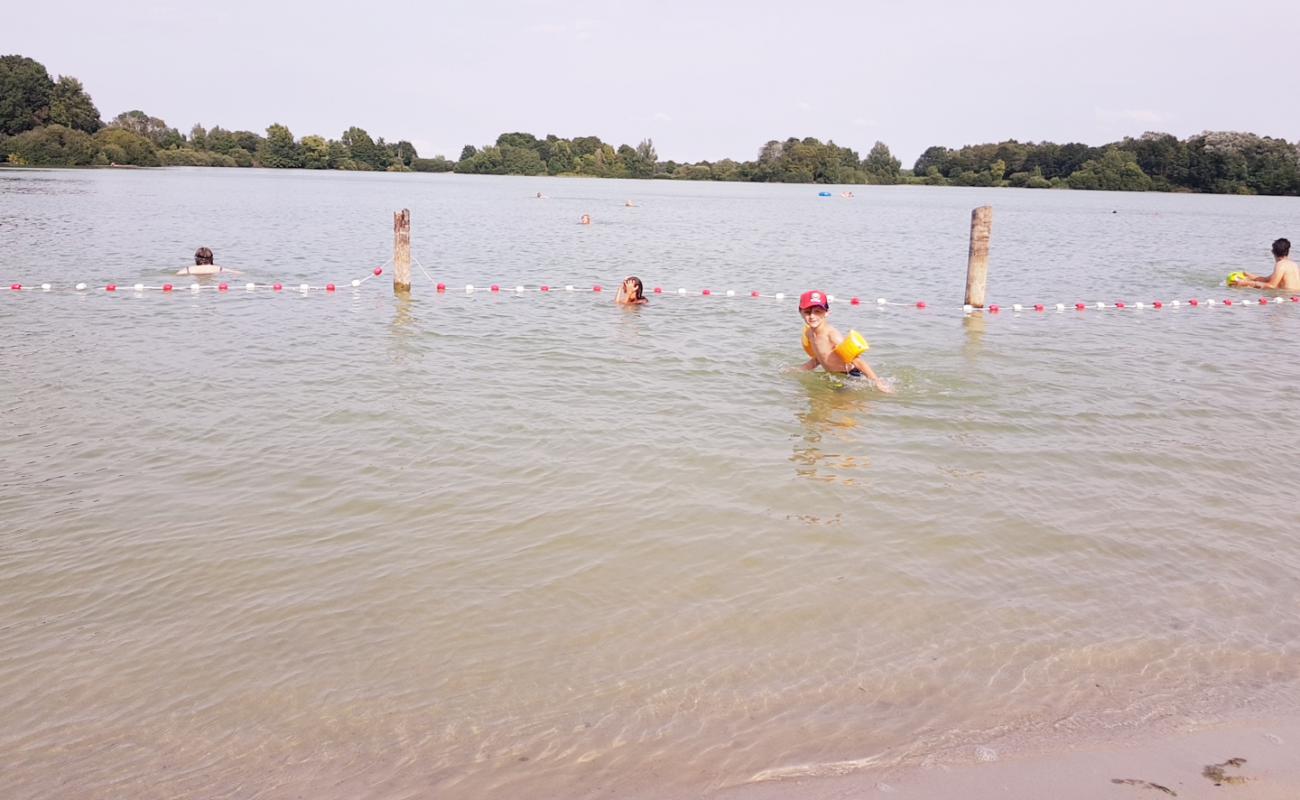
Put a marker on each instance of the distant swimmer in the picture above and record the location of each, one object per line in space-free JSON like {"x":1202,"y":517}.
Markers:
{"x":847,"y":195}
{"x":629,"y":204}
{"x":541,"y":196}
{"x":203,"y":265}
{"x":586,"y":219}
{"x":1285,"y":274}
{"x":828,"y":348}
{"x":631,"y":293}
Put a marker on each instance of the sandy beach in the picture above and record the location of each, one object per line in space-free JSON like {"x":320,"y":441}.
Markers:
{"x":1256,"y":760}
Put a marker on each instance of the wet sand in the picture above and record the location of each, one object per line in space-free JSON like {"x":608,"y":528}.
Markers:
{"x":1242,"y":761}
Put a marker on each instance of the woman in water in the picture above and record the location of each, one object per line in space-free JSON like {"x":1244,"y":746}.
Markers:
{"x":631,"y":293}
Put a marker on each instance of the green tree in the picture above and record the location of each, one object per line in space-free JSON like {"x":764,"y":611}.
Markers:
{"x":404,"y":152}
{"x":586,"y":146}
{"x":340,"y":156}
{"x":467,"y":152}
{"x":121,"y":146}
{"x":198,"y":137}
{"x":880,"y":165}
{"x":25,"y":92}
{"x":562,"y":159}
{"x":151,"y":128}
{"x":315,"y":152}
{"x":521,"y":161}
{"x":220,"y":140}
{"x":51,"y":146}
{"x":71,"y":107}
{"x":1117,"y":170}
{"x":247,"y":141}
{"x":435,"y":164}
{"x":518,"y":140}
{"x":487,"y":161}
{"x":279,"y":150}
{"x":363,"y":149}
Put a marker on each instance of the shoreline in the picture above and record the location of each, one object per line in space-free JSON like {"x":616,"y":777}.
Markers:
{"x":1246,"y":759}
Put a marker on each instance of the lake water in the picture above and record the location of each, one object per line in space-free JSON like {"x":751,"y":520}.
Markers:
{"x":279,"y":545}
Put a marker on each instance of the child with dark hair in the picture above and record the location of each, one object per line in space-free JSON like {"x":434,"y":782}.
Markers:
{"x":203,"y":265}
{"x":631,"y":293}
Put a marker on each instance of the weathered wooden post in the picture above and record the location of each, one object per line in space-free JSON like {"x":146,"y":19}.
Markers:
{"x":977,"y":261}
{"x":402,"y":251}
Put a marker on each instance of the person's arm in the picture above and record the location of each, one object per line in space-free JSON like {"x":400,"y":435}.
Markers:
{"x":621,"y":297}
{"x":809,"y":365}
{"x":1256,"y":282}
{"x":862,"y":364}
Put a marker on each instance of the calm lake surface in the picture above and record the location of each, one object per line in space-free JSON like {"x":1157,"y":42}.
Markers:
{"x":467,"y":546}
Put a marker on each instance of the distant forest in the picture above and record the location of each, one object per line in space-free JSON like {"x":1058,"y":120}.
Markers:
{"x":47,"y":122}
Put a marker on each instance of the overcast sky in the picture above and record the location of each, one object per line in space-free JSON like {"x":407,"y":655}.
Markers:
{"x":704,"y":80}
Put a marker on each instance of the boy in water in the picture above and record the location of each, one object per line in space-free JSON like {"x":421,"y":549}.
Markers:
{"x":828,"y":347}
{"x":1285,"y":275}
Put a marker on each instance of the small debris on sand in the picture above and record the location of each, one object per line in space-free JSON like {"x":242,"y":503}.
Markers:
{"x":1144,"y":785}
{"x":1215,"y":772}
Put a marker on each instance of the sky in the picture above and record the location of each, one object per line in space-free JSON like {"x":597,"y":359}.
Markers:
{"x":704,"y":80}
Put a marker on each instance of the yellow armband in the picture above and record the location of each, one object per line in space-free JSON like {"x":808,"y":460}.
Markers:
{"x":852,"y":347}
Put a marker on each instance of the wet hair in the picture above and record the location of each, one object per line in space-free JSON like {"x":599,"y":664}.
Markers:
{"x":640,"y":289}
{"x":1281,"y":248}
{"x":202,"y":256}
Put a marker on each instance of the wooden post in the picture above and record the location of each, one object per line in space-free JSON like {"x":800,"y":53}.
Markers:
{"x":977,"y":261}
{"x":402,"y":251}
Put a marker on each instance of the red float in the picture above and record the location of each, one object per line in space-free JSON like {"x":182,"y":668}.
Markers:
{"x":1227,"y":302}
{"x":1038,"y":306}
{"x":853,"y":301}
{"x":1079,"y":306}
{"x":224,"y":287}
{"x":545,"y":288}
{"x":278,"y":287}
{"x":659,"y":290}
{"x":17,"y":287}
{"x":596,"y":288}
{"x":1118,"y":304}
{"x":495,"y":288}
{"x":706,"y":292}
{"x":329,"y":287}
{"x":993,"y":309}
{"x":1193,"y":302}
{"x":754,"y":294}
{"x":112,"y":287}
{"x":379,"y":270}
{"x":920,"y":304}
{"x":1157,"y":304}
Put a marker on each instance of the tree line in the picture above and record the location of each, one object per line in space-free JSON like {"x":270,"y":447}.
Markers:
{"x":49,"y":122}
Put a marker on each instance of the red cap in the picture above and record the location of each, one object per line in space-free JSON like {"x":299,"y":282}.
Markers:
{"x":813,"y":299}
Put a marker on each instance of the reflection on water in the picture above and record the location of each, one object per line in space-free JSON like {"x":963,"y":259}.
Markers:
{"x":500,"y":545}
{"x":830,"y":445}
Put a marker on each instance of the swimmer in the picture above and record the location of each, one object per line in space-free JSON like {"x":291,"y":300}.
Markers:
{"x":629,"y":204}
{"x":541,"y":196}
{"x":586,"y":219}
{"x":823,"y":343}
{"x":203,"y":265}
{"x":631,"y":293}
{"x":1285,"y":274}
